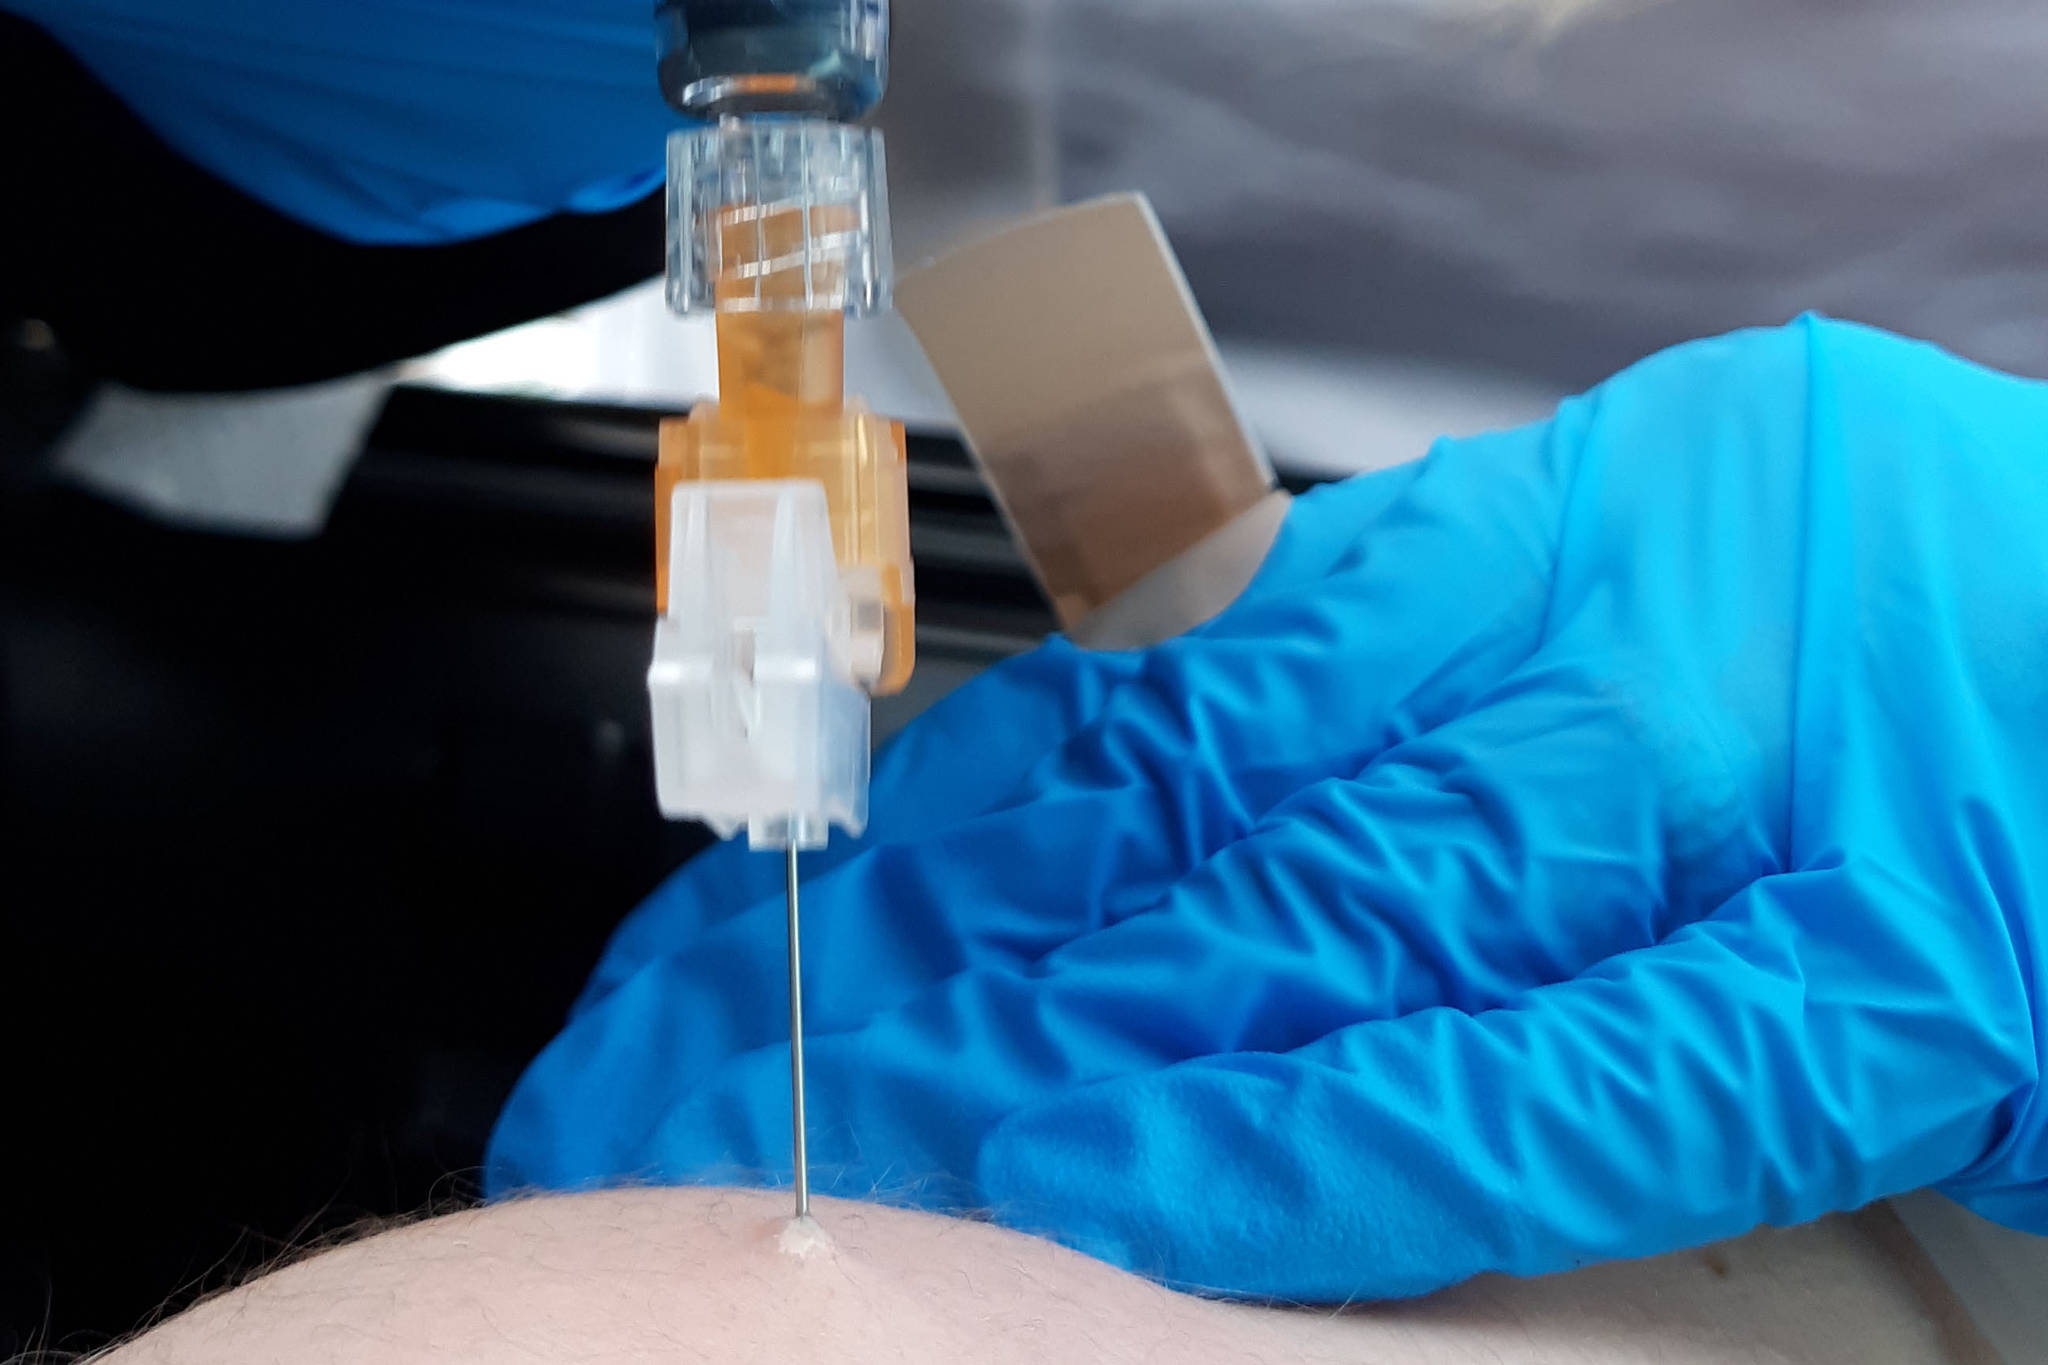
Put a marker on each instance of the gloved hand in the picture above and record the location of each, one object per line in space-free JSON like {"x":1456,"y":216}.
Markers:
{"x":1596,"y":840}
{"x":390,"y":121}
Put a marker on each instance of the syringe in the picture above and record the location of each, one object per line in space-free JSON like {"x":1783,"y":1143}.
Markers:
{"x":782,"y":523}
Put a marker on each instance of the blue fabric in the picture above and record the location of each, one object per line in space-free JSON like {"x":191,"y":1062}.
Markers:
{"x":390,"y":121}
{"x":1596,"y":840}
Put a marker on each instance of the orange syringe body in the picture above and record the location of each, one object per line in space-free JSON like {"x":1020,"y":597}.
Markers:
{"x":782,"y":414}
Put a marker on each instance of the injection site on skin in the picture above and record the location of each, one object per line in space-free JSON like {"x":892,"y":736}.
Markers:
{"x":803,"y":1238}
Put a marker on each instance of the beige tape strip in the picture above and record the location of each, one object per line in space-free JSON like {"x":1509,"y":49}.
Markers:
{"x":1192,"y":587}
{"x":1090,"y":392}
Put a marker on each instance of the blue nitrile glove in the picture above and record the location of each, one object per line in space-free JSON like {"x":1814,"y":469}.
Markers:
{"x":390,"y":121}
{"x":1607,"y":836}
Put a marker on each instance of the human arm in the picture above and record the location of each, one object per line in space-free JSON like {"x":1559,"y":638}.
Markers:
{"x":696,"y":1275}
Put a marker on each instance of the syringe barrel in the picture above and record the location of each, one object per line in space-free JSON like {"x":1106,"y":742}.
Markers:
{"x":820,"y":58}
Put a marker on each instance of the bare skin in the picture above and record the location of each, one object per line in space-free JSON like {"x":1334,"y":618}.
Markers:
{"x":698,"y":1275}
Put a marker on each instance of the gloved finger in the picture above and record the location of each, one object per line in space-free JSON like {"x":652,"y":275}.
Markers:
{"x":1515,"y":846}
{"x":685,"y":988}
{"x":1818,"y":1044}
{"x":992,"y":893}
{"x":976,"y":747}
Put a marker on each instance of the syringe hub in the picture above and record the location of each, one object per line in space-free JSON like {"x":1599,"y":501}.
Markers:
{"x":778,"y":214}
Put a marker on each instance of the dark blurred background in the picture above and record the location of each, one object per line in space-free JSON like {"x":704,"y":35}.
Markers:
{"x":323,"y":755}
